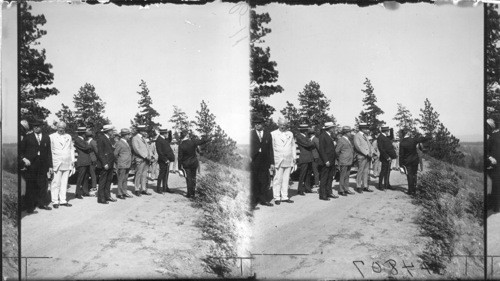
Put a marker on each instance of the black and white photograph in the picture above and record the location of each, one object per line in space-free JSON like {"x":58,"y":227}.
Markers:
{"x":134,"y":163}
{"x":372,"y":127}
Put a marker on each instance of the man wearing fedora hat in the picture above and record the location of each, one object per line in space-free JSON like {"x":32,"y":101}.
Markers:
{"x":260,"y":154}
{"x":305,"y":159}
{"x":36,"y":154}
{"x":364,"y":154}
{"x":345,"y":152}
{"x":142,"y":160}
{"x":165,"y":156}
{"x":63,"y":164}
{"x":188,"y":160}
{"x":409,"y":158}
{"x":106,"y":160}
{"x":387,"y":153}
{"x":83,"y":162}
{"x":284,"y":154}
{"x":327,"y":155}
{"x":123,"y":156}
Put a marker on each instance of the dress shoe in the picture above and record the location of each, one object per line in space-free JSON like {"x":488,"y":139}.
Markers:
{"x":111,"y":199}
{"x":137,"y":193}
{"x":120,"y":196}
{"x":287,"y":201}
{"x":87,"y":195}
{"x":380,"y":187}
{"x":127,"y":195}
{"x":324,"y":198}
{"x":350,"y":192}
{"x":55,"y":206}
{"x":269,"y":204}
{"x":332,"y":196}
{"x":45,"y":208}
{"x":302,"y":193}
{"x":30,"y":211}
{"x":277,"y":202}
{"x":66,"y":204}
{"x":79,"y":197}
{"x":145,"y":193}
{"x":367,"y":189}
{"x":342,"y":194}
{"x":168,"y":190}
{"x":102,"y":202}
{"x":309,"y":191}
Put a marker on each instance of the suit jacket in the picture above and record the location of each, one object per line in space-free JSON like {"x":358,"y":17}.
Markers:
{"x":260,"y":150}
{"x":187,"y":153}
{"x":165,"y":152}
{"x":123,"y":154}
{"x":385,"y":148}
{"x":63,"y":151}
{"x":31,"y":150}
{"x":408,"y":154}
{"x":93,"y":152}
{"x":83,"y":150}
{"x":283,"y":148}
{"x":306,"y":147}
{"x":362,"y":145}
{"x":140,"y":148}
{"x":315,"y":150}
{"x":345,"y":151}
{"x":105,"y":151}
{"x":326,"y":148}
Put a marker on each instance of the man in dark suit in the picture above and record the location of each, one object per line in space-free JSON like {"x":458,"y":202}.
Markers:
{"x":305,"y":159}
{"x":82,"y":163}
{"x":93,"y":159}
{"x":408,"y":157}
{"x":106,"y":159}
{"x":35,"y":152}
{"x":165,"y":156}
{"x":327,"y":155}
{"x":260,"y":153}
{"x":189,"y":161}
{"x":387,"y":153}
{"x":316,"y":164}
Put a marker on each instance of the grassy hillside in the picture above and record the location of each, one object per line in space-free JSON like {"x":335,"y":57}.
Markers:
{"x":473,"y":155}
{"x":9,"y":225}
{"x":452,"y":198}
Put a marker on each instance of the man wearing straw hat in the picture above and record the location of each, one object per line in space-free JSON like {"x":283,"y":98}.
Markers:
{"x":142,"y":159}
{"x":305,"y":159}
{"x":345,"y":152}
{"x":106,"y":160}
{"x":284,"y":155}
{"x":165,"y":156}
{"x":83,"y":162}
{"x":123,"y":156}
{"x":327,"y":155}
{"x":364,"y":151}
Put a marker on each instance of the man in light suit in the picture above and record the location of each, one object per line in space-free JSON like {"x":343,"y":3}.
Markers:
{"x":36,"y":154}
{"x":106,"y":161}
{"x":305,"y":159}
{"x":345,"y":152}
{"x":165,"y":156}
{"x":82,"y":164}
{"x":63,"y":160}
{"x":260,"y":154}
{"x":284,"y":155}
{"x":387,"y":153}
{"x":142,"y":160}
{"x":123,"y":156}
{"x":327,"y":155}
{"x":364,"y":154}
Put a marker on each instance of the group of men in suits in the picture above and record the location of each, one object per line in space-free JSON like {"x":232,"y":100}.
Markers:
{"x":53,"y":156}
{"x":274,"y":155}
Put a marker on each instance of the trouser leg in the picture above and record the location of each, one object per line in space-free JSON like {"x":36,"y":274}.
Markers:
{"x":277,"y":183}
{"x":324,"y":182}
{"x":93,"y":176}
{"x":55,"y":186}
{"x":302,"y":177}
{"x":63,"y":187}
{"x":315,"y":171}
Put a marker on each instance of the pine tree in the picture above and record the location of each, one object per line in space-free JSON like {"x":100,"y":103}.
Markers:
{"x":292,"y":115}
{"x":147,"y":112}
{"x":445,"y":146}
{"x":492,"y":40}
{"x":68,"y":116}
{"x":35,"y":75}
{"x":90,"y":108}
{"x":263,"y":71}
{"x":205,"y":121}
{"x":405,"y":119}
{"x":180,"y":120}
{"x":429,"y":119}
{"x":371,"y":112}
{"x":314,"y":105}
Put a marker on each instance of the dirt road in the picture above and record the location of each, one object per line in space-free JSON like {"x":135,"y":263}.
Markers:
{"x":140,"y":237}
{"x":332,"y":239}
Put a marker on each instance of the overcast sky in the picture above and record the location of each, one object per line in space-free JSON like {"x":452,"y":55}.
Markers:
{"x":9,"y":73}
{"x":415,"y":52}
{"x":185,"y":53}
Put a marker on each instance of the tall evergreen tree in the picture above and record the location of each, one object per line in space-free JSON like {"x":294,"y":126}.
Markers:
{"x":35,"y":75}
{"x":405,"y":119}
{"x":205,"y":120}
{"x":69,"y":117}
{"x":492,"y":37}
{"x":90,"y":108}
{"x":429,"y":119}
{"x":292,"y":114}
{"x":263,"y":71}
{"x":147,"y":113}
{"x":371,"y":111}
{"x":180,"y":120}
{"x":445,"y":146}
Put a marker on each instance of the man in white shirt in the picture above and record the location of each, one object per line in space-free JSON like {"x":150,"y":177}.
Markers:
{"x":142,"y":160}
{"x":364,"y":154}
{"x":284,"y":155}
{"x":63,"y":160}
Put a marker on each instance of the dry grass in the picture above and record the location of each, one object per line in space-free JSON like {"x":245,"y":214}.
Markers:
{"x":9,"y":225}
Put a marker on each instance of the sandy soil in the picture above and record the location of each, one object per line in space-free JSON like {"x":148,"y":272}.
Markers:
{"x":493,"y":224}
{"x":140,"y":237}
{"x":321,"y":239}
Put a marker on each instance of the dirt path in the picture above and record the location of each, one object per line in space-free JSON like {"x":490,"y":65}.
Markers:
{"x":140,"y":237}
{"x":328,"y":236}
{"x":493,"y":224}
